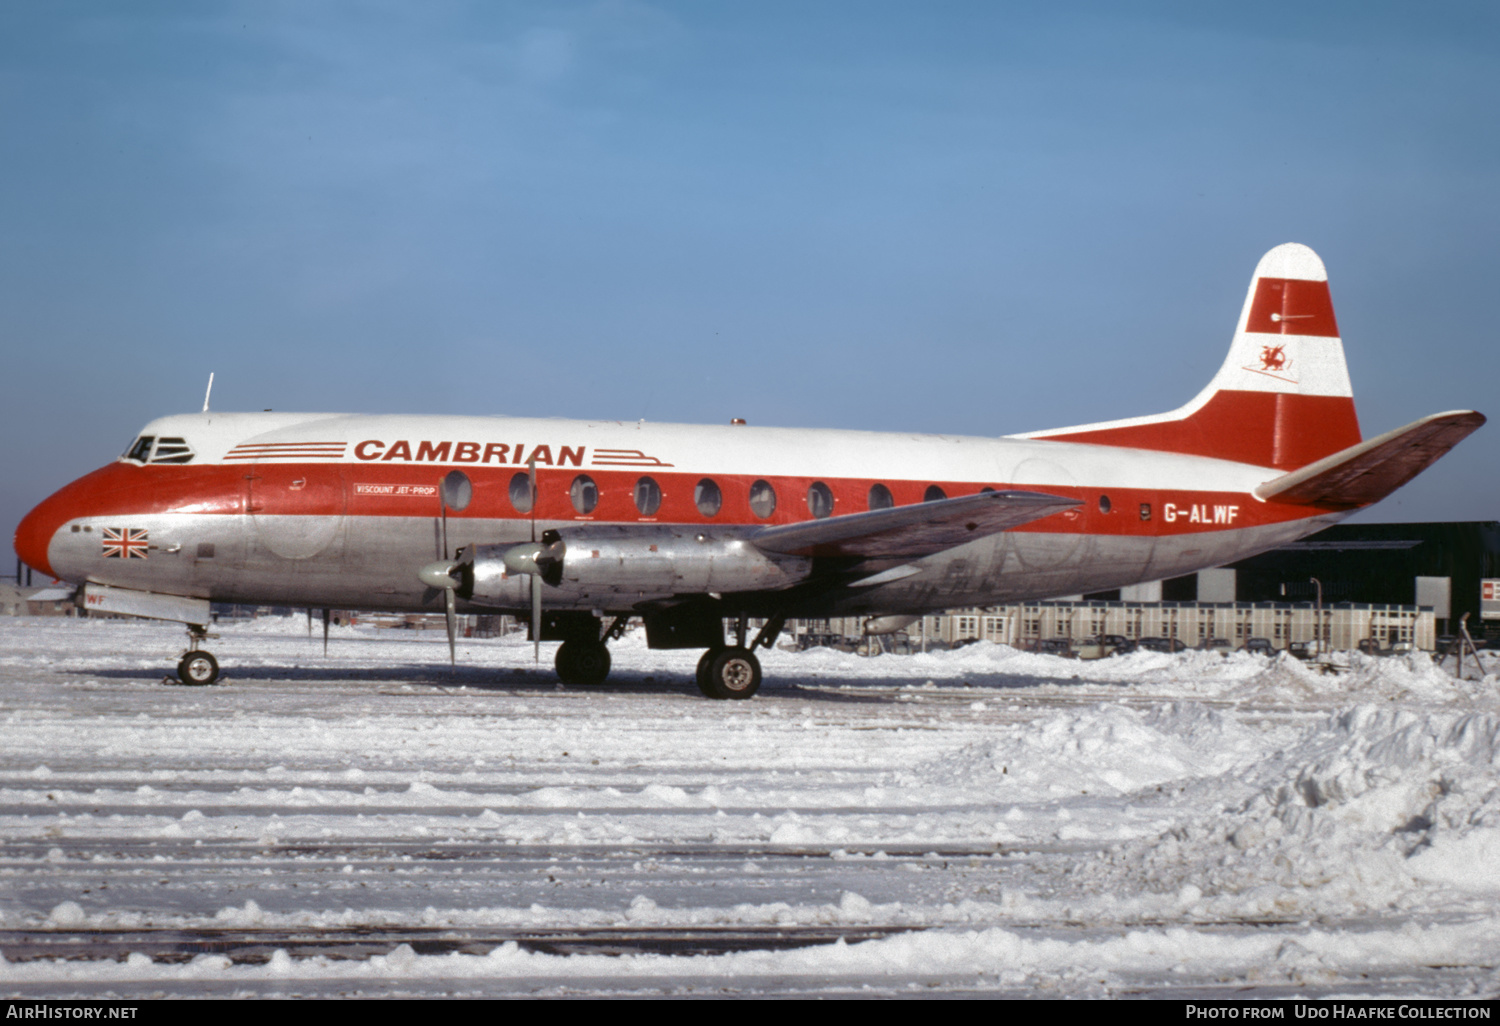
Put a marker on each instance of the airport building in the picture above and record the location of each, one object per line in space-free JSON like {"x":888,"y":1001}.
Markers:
{"x":29,"y":600}
{"x":1219,"y":625}
{"x":1390,"y":584}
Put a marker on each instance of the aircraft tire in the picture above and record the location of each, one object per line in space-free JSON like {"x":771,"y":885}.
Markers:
{"x":198,"y":669}
{"x":734,"y":673}
{"x":705,"y":664}
{"x":582,"y":662}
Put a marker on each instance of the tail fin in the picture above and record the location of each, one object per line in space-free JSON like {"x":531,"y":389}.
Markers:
{"x":1282,"y":398}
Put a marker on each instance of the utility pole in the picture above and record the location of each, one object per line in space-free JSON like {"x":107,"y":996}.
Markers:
{"x":1320,"y":615}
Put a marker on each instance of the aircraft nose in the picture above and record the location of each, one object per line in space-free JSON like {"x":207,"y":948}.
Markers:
{"x":38,"y":528}
{"x":34,"y":536}
{"x":113,"y":488}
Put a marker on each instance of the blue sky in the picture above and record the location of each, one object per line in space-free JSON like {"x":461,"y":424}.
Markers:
{"x":975,"y":218}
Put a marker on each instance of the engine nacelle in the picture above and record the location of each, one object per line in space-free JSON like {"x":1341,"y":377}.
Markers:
{"x":610,"y":562}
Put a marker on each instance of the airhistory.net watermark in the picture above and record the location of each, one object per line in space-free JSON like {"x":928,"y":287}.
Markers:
{"x":46,"y":1011}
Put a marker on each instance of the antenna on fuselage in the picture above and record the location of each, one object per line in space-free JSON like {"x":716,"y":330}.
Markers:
{"x":209,"y":392}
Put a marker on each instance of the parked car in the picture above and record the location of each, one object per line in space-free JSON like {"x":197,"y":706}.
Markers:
{"x":1106,"y":645}
{"x":1371,"y":646}
{"x":1053,"y":646}
{"x":837,"y":642}
{"x":1161,"y":645}
{"x":1258,"y":646}
{"x":1219,"y":645}
{"x":1302,"y":649}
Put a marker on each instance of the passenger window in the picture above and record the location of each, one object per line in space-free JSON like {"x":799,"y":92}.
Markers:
{"x":762,"y":499}
{"x":934,"y":494}
{"x":1104,"y":504}
{"x":707,"y":497}
{"x":521,"y":495}
{"x":141,"y":450}
{"x":584,"y":493}
{"x":647,"y":496}
{"x":880,"y":497}
{"x":819,"y":500}
{"x":456,"y":490}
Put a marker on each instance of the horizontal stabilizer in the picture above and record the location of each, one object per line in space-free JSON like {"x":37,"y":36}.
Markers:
{"x":1369,"y":471}
{"x":909,"y":532}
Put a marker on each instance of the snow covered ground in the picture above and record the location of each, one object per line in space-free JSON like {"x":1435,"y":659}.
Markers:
{"x":981,"y":821}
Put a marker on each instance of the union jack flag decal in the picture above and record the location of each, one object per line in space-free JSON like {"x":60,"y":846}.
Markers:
{"x":125,"y":542}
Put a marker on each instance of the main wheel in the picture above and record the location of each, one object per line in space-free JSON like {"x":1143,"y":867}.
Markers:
{"x":582,"y":662}
{"x":705,"y":664}
{"x":733,"y":673}
{"x":198,"y":668}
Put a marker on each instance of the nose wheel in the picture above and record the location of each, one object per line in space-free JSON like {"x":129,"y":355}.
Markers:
{"x":198,"y":668}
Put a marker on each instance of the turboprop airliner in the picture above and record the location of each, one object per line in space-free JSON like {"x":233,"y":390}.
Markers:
{"x":579,"y":526}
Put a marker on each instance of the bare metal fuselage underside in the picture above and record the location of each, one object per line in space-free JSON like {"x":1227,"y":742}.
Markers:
{"x":366,"y":563}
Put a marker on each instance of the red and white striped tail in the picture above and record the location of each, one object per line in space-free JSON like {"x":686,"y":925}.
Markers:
{"x":1282,"y":398}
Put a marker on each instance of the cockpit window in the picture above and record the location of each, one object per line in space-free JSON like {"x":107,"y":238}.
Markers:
{"x":168,"y":450}
{"x":172,"y":450}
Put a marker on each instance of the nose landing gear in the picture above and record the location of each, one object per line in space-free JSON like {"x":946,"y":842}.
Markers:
{"x":197,"y":667}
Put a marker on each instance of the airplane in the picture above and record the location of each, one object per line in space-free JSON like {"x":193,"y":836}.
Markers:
{"x":691,"y":528}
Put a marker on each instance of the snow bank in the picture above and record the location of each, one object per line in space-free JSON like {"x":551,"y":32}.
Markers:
{"x":1374,"y":808}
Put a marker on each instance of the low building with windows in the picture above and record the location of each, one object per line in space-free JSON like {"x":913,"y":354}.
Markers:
{"x":29,"y":600}
{"x":1193,"y":624}
{"x":1390,"y":584}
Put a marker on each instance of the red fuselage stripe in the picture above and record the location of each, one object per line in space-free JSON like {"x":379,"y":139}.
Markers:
{"x":388,"y":490}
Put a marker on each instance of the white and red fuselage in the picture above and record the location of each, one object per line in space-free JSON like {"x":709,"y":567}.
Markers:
{"x":342,"y":511}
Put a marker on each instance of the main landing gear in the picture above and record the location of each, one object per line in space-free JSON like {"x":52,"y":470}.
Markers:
{"x":729,"y":672}
{"x":733,"y":671}
{"x":583,"y":657}
{"x":197,"y":667}
{"x":582,"y":662}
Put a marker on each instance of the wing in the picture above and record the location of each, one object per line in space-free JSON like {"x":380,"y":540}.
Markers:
{"x":1369,"y":471}
{"x":910,"y":532}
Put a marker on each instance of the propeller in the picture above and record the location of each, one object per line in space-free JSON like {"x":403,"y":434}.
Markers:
{"x":543,"y":561}
{"x":325,"y":627}
{"x":536,"y":581}
{"x":448,"y":575}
